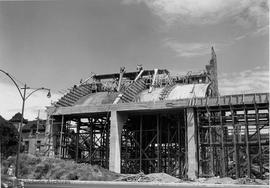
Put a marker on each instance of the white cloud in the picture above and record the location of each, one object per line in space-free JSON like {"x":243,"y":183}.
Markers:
{"x":192,"y":49}
{"x":248,"y":81}
{"x":208,"y":11}
{"x":11,"y":102}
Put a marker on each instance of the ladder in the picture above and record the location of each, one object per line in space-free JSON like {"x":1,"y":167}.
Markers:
{"x":132,"y":90}
{"x":165,"y":92}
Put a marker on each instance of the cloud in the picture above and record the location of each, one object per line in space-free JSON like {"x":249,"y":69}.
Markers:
{"x":11,"y":102}
{"x":249,"y":81}
{"x":259,"y":32}
{"x":208,"y":11}
{"x":192,"y":49}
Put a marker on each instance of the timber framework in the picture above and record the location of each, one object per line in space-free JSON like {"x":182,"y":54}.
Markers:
{"x":150,"y":121}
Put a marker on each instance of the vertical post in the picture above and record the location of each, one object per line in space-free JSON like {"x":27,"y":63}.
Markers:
{"x":107,"y":140}
{"x":20,"y":133}
{"x":158,"y":144}
{"x":117,"y":122}
{"x":223,"y":160}
{"x":37,"y":129}
{"x":61,"y":135}
{"x":91,"y":140}
{"x":247,"y":144}
{"x":259,"y":139}
{"x":179,"y":144}
{"x":235,"y":144}
{"x":211,"y":143}
{"x":141,"y":121}
{"x":77,"y":140}
{"x":199,"y":144}
{"x":191,"y":134}
{"x":168,"y":149}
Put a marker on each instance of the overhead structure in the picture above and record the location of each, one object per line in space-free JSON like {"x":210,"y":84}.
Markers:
{"x":151,"y":121}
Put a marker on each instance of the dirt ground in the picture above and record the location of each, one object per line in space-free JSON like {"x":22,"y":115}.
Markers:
{"x":165,"y":178}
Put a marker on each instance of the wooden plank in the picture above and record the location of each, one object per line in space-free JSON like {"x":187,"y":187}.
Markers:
{"x":235,"y":145}
{"x":70,"y":98}
{"x":158,"y":143}
{"x":73,"y":96}
{"x":61,"y":133}
{"x":77,"y":142}
{"x":211,"y":143}
{"x":179,"y":143}
{"x":130,"y":93}
{"x":67,"y":101}
{"x":223,"y":160}
{"x":141,"y":122}
{"x":259,"y":139}
{"x":63,"y":103}
{"x":247,"y":145}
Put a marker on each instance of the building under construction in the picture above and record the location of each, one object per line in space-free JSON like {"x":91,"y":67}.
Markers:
{"x":150,"y":121}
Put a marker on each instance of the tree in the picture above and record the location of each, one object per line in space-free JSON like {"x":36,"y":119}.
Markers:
{"x":9,"y":138}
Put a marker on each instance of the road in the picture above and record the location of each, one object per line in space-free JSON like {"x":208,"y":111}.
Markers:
{"x":135,"y":185}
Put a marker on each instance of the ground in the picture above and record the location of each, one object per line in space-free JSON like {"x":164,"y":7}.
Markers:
{"x":51,"y":168}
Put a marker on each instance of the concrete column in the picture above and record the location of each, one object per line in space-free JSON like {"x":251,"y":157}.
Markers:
{"x":192,"y":147}
{"x":117,"y":121}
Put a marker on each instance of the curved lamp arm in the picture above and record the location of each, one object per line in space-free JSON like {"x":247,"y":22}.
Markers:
{"x":13,"y":82}
{"x":42,"y":88}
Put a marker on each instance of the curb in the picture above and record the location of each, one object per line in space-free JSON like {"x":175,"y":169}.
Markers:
{"x":31,"y":181}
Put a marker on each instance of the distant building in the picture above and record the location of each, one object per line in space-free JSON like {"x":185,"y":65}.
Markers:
{"x":16,"y":120}
{"x":33,"y":134}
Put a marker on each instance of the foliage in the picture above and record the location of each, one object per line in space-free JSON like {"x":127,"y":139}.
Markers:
{"x":9,"y":138}
{"x":52,"y":168}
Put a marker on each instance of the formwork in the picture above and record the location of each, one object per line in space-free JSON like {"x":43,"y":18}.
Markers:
{"x":233,"y":140}
{"x":149,"y":121}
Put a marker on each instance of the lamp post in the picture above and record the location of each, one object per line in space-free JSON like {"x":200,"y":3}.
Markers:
{"x":24,"y":98}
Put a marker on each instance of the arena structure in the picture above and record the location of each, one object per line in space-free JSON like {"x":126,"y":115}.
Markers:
{"x":151,"y":121}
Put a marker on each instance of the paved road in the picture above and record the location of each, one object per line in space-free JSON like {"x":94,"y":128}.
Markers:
{"x":135,"y":185}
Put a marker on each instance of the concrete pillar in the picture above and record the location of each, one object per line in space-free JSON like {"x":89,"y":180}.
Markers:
{"x":117,"y":121}
{"x":192,"y":147}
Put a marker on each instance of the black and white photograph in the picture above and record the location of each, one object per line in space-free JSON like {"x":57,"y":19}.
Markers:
{"x":134,"y":93}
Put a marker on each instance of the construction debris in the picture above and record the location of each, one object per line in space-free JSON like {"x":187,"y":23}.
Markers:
{"x":154,"y":177}
{"x":166,"y":178}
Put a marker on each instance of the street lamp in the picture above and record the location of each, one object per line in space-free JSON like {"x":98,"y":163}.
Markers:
{"x":24,"y":98}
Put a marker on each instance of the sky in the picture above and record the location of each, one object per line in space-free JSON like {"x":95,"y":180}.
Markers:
{"x":55,"y":44}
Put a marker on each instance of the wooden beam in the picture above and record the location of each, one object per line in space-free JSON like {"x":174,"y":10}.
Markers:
{"x":259,"y":139}
{"x":235,"y":145}
{"x":247,"y":145}
{"x":223,"y":160}
{"x":211,"y":143}
{"x":141,"y":122}
{"x":158,"y":143}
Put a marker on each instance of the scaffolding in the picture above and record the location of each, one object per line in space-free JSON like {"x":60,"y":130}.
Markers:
{"x":154,"y":143}
{"x":84,"y":139}
{"x":233,"y":140}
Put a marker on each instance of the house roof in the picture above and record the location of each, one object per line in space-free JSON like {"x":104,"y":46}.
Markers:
{"x":17,"y":118}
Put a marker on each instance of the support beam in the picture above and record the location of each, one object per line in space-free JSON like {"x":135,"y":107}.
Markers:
{"x":141,"y":124}
{"x":191,"y":134}
{"x":247,"y":145}
{"x":158,"y":144}
{"x":61,"y":137}
{"x":117,"y":121}
{"x":77,"y":140}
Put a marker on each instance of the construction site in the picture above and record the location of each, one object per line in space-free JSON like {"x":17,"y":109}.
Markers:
{"x":151,"y":121}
